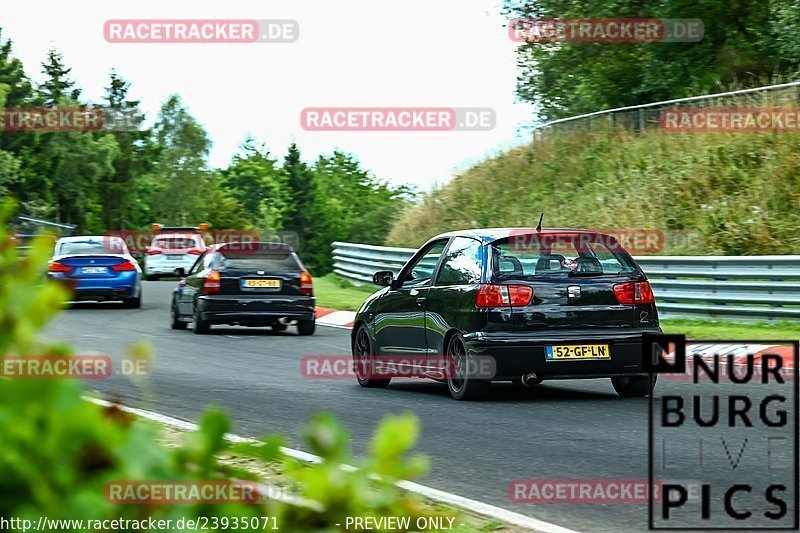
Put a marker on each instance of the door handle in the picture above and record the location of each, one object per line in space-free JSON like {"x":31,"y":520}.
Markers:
{"x":420,"y":300}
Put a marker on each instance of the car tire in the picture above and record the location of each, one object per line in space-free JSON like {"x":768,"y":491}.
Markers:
{"x":362,"y":358}
{"x":463,"y":387}
{"x":174,"y":317}
{"x":306,"y":327}
{"x":278,"y":327}
{"x":201,"y":326}
{"x":633,"y":386}
{"x":152,"y":277}
{"x":133,"y":303}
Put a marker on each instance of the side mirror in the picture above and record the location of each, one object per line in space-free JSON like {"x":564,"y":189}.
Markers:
{"x":383,"y":278}
{"x":180,"y":272}
{"x":136,"y":255}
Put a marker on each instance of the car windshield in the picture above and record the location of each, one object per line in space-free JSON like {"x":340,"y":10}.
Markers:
{"x":92,"y":247}
{"x":561,"y":255}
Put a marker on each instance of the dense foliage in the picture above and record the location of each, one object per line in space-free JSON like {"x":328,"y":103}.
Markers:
{"x":747,"y":42}
{"x":110,"y":180}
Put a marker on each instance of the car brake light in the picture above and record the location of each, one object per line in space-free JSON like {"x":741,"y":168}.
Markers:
{"x":520,"y":295}
{"x":125,"y":266}
{"x":154,"y":251}
{"x":306,"y":284}
{"x":490,"y":295}
{"x":631,"y":292}
{"x":195,"y":251}
{"x":57,"y":266}
{"x":212,"y":282}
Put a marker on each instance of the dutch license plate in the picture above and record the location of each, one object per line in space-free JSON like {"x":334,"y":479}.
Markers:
{"x":573,"y":352}
{"x":261,"y":283}
{"x":93,"y":270}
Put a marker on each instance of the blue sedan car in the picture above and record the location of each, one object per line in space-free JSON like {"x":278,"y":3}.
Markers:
{"x":99,"y":268}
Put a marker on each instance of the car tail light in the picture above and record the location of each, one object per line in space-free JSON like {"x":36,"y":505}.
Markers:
{"x":633,"y":292}
{"x":195,"y":251}
{"x":154,"y":251}
{"x":490,"y":295}
{"x":306,"y":284}
{"x":644,"y":294}
{"x":57,"y":266}
{"x":520,"y":295}
{"x":125,"y":266}
{"x":212,"y":282}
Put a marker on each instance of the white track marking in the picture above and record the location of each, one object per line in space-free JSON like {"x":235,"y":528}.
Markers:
{"x":474,"y":506}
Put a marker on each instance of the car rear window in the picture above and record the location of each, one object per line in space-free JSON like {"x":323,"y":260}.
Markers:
{"x":531,"y":256}
{"x":92,"y":247}
{"x":176,"y":242}
{"x":269,"y":262}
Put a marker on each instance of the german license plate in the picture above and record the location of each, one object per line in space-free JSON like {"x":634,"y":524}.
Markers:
{"x":261,"y":283}
{"x":573,"y":352}
{"x":93,"y":270}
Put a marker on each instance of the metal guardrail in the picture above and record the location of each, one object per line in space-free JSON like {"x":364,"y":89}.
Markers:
{"x":647,"y":116}
{"x":748,"y":288}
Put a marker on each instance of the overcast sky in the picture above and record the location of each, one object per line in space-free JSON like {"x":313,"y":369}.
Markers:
{"x":356,"y":53}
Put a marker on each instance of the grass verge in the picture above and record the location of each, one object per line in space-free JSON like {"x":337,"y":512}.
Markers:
{"x":337,"y":293}
{"x":706,"y":329}
{"x":272,"y":474}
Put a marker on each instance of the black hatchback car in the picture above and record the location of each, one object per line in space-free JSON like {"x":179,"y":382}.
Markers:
{"x":246,"y":284}
{"x":537,"y":304}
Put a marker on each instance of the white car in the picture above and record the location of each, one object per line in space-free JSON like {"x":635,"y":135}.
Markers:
{"x":171,"y":250}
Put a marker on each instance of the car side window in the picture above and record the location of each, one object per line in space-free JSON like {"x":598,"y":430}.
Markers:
{"x":197,"y":266}
{"x":421,"y":272}
{"x":462,"y":263}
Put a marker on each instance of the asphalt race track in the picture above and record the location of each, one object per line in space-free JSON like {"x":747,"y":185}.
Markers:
{"x":559,"y":430}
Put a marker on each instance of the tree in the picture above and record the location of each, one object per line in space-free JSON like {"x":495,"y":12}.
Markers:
{"x":300,"y":181}
{"x":255,"y":182}
{"x":180,"y":175}
{"x":57,"y":85}
{"x":346,"y":203}
{"x":744,"y":43}
{"x":133,"y":161}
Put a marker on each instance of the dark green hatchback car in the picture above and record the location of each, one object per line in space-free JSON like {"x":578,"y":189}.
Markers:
{"x":521,"y":305}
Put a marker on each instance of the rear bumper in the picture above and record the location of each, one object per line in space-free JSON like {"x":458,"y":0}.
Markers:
{"x":243,"y":309}
{"x":167,"y":267}
{"x":125,"y":285}
{"x":521,"y":353}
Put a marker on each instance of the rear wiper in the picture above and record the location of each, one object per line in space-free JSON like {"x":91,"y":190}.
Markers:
{"x":576,"y":274}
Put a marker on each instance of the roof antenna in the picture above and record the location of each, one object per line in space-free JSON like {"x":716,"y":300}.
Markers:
{"x":539,"y":225}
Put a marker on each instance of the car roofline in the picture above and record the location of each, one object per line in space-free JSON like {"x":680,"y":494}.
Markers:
{"x":490,"y":235}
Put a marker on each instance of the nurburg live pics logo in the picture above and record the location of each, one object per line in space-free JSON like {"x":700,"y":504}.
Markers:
{"x":735,"y":430}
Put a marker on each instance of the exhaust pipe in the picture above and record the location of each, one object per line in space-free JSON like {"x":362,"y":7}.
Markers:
{"x":287,"y":321}
{"x":529,"y":380}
